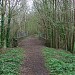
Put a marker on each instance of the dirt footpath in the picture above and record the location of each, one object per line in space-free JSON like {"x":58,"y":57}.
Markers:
{"x":33,"y":63}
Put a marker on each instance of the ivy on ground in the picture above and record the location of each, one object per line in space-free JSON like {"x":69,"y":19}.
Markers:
{"x":59,"y":62}
{"x":10,"y":61}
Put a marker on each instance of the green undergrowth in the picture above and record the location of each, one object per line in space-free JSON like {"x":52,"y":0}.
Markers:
{"x":59,"y":62}
{"x":10,"y":61}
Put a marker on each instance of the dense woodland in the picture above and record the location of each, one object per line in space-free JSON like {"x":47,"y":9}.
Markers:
{"x":49,"y":21}
{"x":57,"y":23}
{"x":52,"y":20}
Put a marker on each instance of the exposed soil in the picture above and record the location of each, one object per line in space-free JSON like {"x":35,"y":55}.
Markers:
{"x":33,"y":63}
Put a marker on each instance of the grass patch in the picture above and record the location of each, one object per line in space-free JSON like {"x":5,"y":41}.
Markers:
{"x":59,"y":62}
{"x":10,"y":61}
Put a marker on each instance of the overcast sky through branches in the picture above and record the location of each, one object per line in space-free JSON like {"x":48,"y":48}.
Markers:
{"x":30,"y":4}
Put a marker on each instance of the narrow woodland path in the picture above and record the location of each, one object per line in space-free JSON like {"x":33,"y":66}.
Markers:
{"x":33,"y":63}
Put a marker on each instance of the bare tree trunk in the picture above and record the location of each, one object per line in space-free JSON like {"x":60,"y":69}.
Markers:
{"x":2,"y":24}
{"x":8,"y":29}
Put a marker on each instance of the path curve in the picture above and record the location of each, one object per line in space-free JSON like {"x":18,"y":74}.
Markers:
{"x":33,"y":63}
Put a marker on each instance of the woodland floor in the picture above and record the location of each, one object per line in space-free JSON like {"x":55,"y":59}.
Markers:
{"x":33,"y":63}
